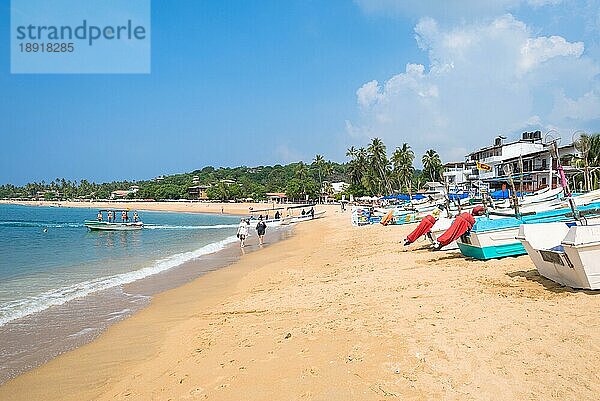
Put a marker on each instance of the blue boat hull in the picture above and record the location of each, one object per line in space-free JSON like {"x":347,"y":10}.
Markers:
{"x":491,"y":252}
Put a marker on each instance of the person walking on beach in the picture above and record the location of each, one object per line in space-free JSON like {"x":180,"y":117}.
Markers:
{"x":261,"y":227}
{"x":242,"y":232}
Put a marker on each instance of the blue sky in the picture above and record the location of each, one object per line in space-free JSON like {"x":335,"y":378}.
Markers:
{"x":265,"y":82}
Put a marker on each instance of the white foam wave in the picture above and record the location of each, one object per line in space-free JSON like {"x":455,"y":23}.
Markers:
{"x":39,"y":224}
{"x":23,"y":307}
{"x":169,"y":227}
{"x":83,"y":332}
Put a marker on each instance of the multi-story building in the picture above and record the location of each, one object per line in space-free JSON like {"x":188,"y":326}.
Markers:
{"x":528,"y":161}
{"x":456,"y":175}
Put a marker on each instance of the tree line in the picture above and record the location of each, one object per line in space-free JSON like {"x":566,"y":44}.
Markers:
{"x":369,"y":172}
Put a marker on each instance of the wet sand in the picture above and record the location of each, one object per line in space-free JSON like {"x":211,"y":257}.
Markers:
{"x":339,"y":313}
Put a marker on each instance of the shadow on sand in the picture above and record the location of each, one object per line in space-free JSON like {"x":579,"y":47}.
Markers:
{"x":533,"y":275}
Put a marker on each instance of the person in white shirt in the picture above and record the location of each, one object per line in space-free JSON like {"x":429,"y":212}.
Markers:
{"x":242,"y":232}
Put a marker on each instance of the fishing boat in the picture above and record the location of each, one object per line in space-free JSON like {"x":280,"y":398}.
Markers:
{"x":269,"y":217}
{"x":306,"y":216}
{"x":112,"y":225}
{"x":567,"y":255}
{"x":494,"y":236}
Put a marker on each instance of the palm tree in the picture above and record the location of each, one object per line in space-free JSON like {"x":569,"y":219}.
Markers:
{"x":356,"y":167}
{"x":351,"y":152}
{"x":589,"y":145}
{"x":319,"y":161}
{"x":432,"y":165}
{"x":379,"y":165}
{"x":301,"y":173}
{"x":402,"y":160}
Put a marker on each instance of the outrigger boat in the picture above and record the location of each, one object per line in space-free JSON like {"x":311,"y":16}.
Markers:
{"x":270,"y":219}
{"x":567,"y":255}
{"x":492,"y":238}
{"x":308,"y":215}
{"x":104,"y":225}
{"x":495,"y":238}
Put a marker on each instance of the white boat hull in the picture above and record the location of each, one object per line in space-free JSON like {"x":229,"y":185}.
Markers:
{"x":568,"y":256}
{"x":106,"y":226}
{"x":307,"y":217}
{"x":441,"y":225}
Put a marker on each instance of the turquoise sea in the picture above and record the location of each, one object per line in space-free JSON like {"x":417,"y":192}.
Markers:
{"x":59,"y":280}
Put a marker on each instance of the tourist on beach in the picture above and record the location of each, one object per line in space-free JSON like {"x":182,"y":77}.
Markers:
{"x":277,"y":215}
{"x":261,"y":227}
{"x":303,"y":212}
{"x":135,"y":217}
{"x":110,"y":216}
{"x":312,"y":212}
{"x":99,"y":216}
{"x":242,"y":232}
{"x":124,"y":217}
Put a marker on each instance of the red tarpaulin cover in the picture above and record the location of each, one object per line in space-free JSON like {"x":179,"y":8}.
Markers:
{"x":461,"y":224}
{"x":423,"y":228}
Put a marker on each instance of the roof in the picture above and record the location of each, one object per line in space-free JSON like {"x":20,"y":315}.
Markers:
{"x":453,"y":164}
{"x":276,"y":194}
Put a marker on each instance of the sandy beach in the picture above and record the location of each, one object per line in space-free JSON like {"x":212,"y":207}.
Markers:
{"x":174,"y":206}
{"x":338,"y":313}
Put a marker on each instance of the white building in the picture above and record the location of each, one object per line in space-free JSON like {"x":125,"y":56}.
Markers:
{"x":528,"y":159}
{"x":339,"y":187}
{"x":456,"y":175}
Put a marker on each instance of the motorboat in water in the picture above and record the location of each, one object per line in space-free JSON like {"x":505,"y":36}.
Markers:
{"x":111,"y":223}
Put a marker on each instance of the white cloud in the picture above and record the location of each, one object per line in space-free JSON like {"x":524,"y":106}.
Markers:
{"x":482,"y":79}
{"x":368,"y":93}
{"x":586,"y":107}
{"x":538,"y":50}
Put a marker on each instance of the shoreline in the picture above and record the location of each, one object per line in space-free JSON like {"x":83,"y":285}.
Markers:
{"x":65,"y":327}
{"x":93,"y":314}
{"x":338,"y":313}
{"x":237,"y":209}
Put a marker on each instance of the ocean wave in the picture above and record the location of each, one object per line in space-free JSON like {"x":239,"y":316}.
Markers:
{"x":39,"y":224}
{"x":170,"y":227}
{"x":23,"y":307}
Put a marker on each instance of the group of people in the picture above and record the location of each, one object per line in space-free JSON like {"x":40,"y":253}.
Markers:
{"x":112,"y":218}
{"x":311,"y":212}
{"x":244,"y":230}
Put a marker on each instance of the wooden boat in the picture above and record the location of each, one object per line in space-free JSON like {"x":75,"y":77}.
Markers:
{"x":102,"y":225}
{"x":268,"y":217}
{"x":307,"y":217}
{"x":493,"y":237}
{"x":567,"y":255}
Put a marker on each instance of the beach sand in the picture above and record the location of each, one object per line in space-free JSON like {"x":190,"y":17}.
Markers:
{"x":342,"y":313}
{"x":174,"y":206}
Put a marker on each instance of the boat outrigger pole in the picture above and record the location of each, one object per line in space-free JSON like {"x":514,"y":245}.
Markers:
{"x":508,"y":171}
{"x":563,"y":179}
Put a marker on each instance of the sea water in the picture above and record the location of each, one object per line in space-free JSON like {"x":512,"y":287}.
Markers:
{"x":61,"y":283}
